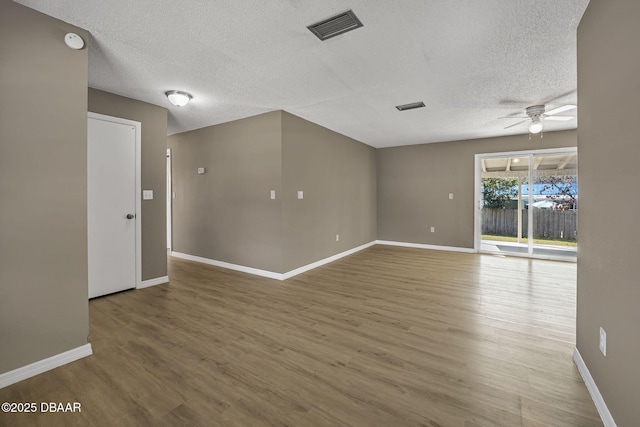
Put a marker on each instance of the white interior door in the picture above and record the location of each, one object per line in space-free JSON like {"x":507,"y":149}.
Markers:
{"x":111,"y":209}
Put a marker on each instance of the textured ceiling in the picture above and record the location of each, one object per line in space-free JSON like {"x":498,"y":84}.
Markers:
{"x":471,"y":62}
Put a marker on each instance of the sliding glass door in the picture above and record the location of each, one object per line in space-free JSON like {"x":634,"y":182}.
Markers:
{"x":555,"y":205}
{"x":515,"y":217}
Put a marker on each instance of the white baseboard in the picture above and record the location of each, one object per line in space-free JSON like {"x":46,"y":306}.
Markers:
{"x":423,"y":246}
{"x":244,"y":269}
{"x":316,"y":264}
{"x":601,"y":406}
{"x":153,"y":282}
{"x":44,"y":365}
{"x":271,"y":274}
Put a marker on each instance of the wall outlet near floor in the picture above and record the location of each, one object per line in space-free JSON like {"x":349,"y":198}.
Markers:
{"x":337,"y":237}
{"x":433,"y":229}
{"x":603,"y":342}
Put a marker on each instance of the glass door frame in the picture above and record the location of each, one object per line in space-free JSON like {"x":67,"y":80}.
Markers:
{"x":529,"y":154}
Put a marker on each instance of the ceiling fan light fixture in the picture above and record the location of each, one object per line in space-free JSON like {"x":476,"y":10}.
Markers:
{"x":178,"y":98}
{"x":535,"y":126}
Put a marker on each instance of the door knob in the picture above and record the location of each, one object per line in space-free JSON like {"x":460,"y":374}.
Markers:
{"x":130,"y":216}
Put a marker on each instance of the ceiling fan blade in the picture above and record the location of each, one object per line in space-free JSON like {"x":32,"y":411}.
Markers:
{"x":560,"y":118}
{"x":514,"y":117}
{"x":560,"y":109}
{"x":516,"y":124}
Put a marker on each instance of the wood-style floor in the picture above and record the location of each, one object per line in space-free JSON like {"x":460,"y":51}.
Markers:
{"x":386,"y":337}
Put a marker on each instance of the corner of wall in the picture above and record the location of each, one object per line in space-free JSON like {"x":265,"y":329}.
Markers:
{"x":43,"y":183}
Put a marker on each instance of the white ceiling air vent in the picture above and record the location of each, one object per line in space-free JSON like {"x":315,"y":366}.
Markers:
{"x":411,"y":106}
{"x":338,"y":24}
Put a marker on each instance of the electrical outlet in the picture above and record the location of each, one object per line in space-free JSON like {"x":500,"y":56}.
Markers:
{"x":603,"y":342}
{"x":433,"y":229}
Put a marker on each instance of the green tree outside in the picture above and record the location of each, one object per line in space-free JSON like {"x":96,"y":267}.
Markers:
{"x":497,"y":192}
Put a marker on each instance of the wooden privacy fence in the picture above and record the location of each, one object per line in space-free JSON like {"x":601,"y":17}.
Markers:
{"x":547,"y":223}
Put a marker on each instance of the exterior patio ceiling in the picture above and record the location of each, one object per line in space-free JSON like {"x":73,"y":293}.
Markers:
{"x":560,"y":164}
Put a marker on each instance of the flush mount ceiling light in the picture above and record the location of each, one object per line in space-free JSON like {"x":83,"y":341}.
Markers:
{"x":178,"y":98}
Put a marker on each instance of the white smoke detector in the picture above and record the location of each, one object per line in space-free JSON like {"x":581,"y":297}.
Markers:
{"x":74,"y":41}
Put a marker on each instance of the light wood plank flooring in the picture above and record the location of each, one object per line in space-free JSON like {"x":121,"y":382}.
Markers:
{"x":386,"y":337}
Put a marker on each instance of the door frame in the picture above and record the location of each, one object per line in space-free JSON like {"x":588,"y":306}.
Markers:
{"x":477,"y":191}
{"x":138,"y":185}
{"x":169,"y":207}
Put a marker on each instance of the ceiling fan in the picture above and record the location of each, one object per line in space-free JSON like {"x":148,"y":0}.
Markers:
{"x":537,"y":114}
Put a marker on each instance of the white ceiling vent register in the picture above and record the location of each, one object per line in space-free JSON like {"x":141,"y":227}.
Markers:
{"x":336,"y":25}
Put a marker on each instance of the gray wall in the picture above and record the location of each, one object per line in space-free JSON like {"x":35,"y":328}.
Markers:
{"x":338,"y":177}
{"x":414,"y":183}
{"x":153,"y":173}
{"x":227,"y":214}
{"x":43,"y":188}
{"x":608,"y":284}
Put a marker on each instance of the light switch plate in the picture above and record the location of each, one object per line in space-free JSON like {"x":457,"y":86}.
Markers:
{"x":147,"y":194}
{"x":450,"y":196}
{"x":273,"y":194}
{"x":300,"y":194}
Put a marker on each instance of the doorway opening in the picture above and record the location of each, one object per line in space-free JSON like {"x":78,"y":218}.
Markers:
{"x":527,"y":203}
